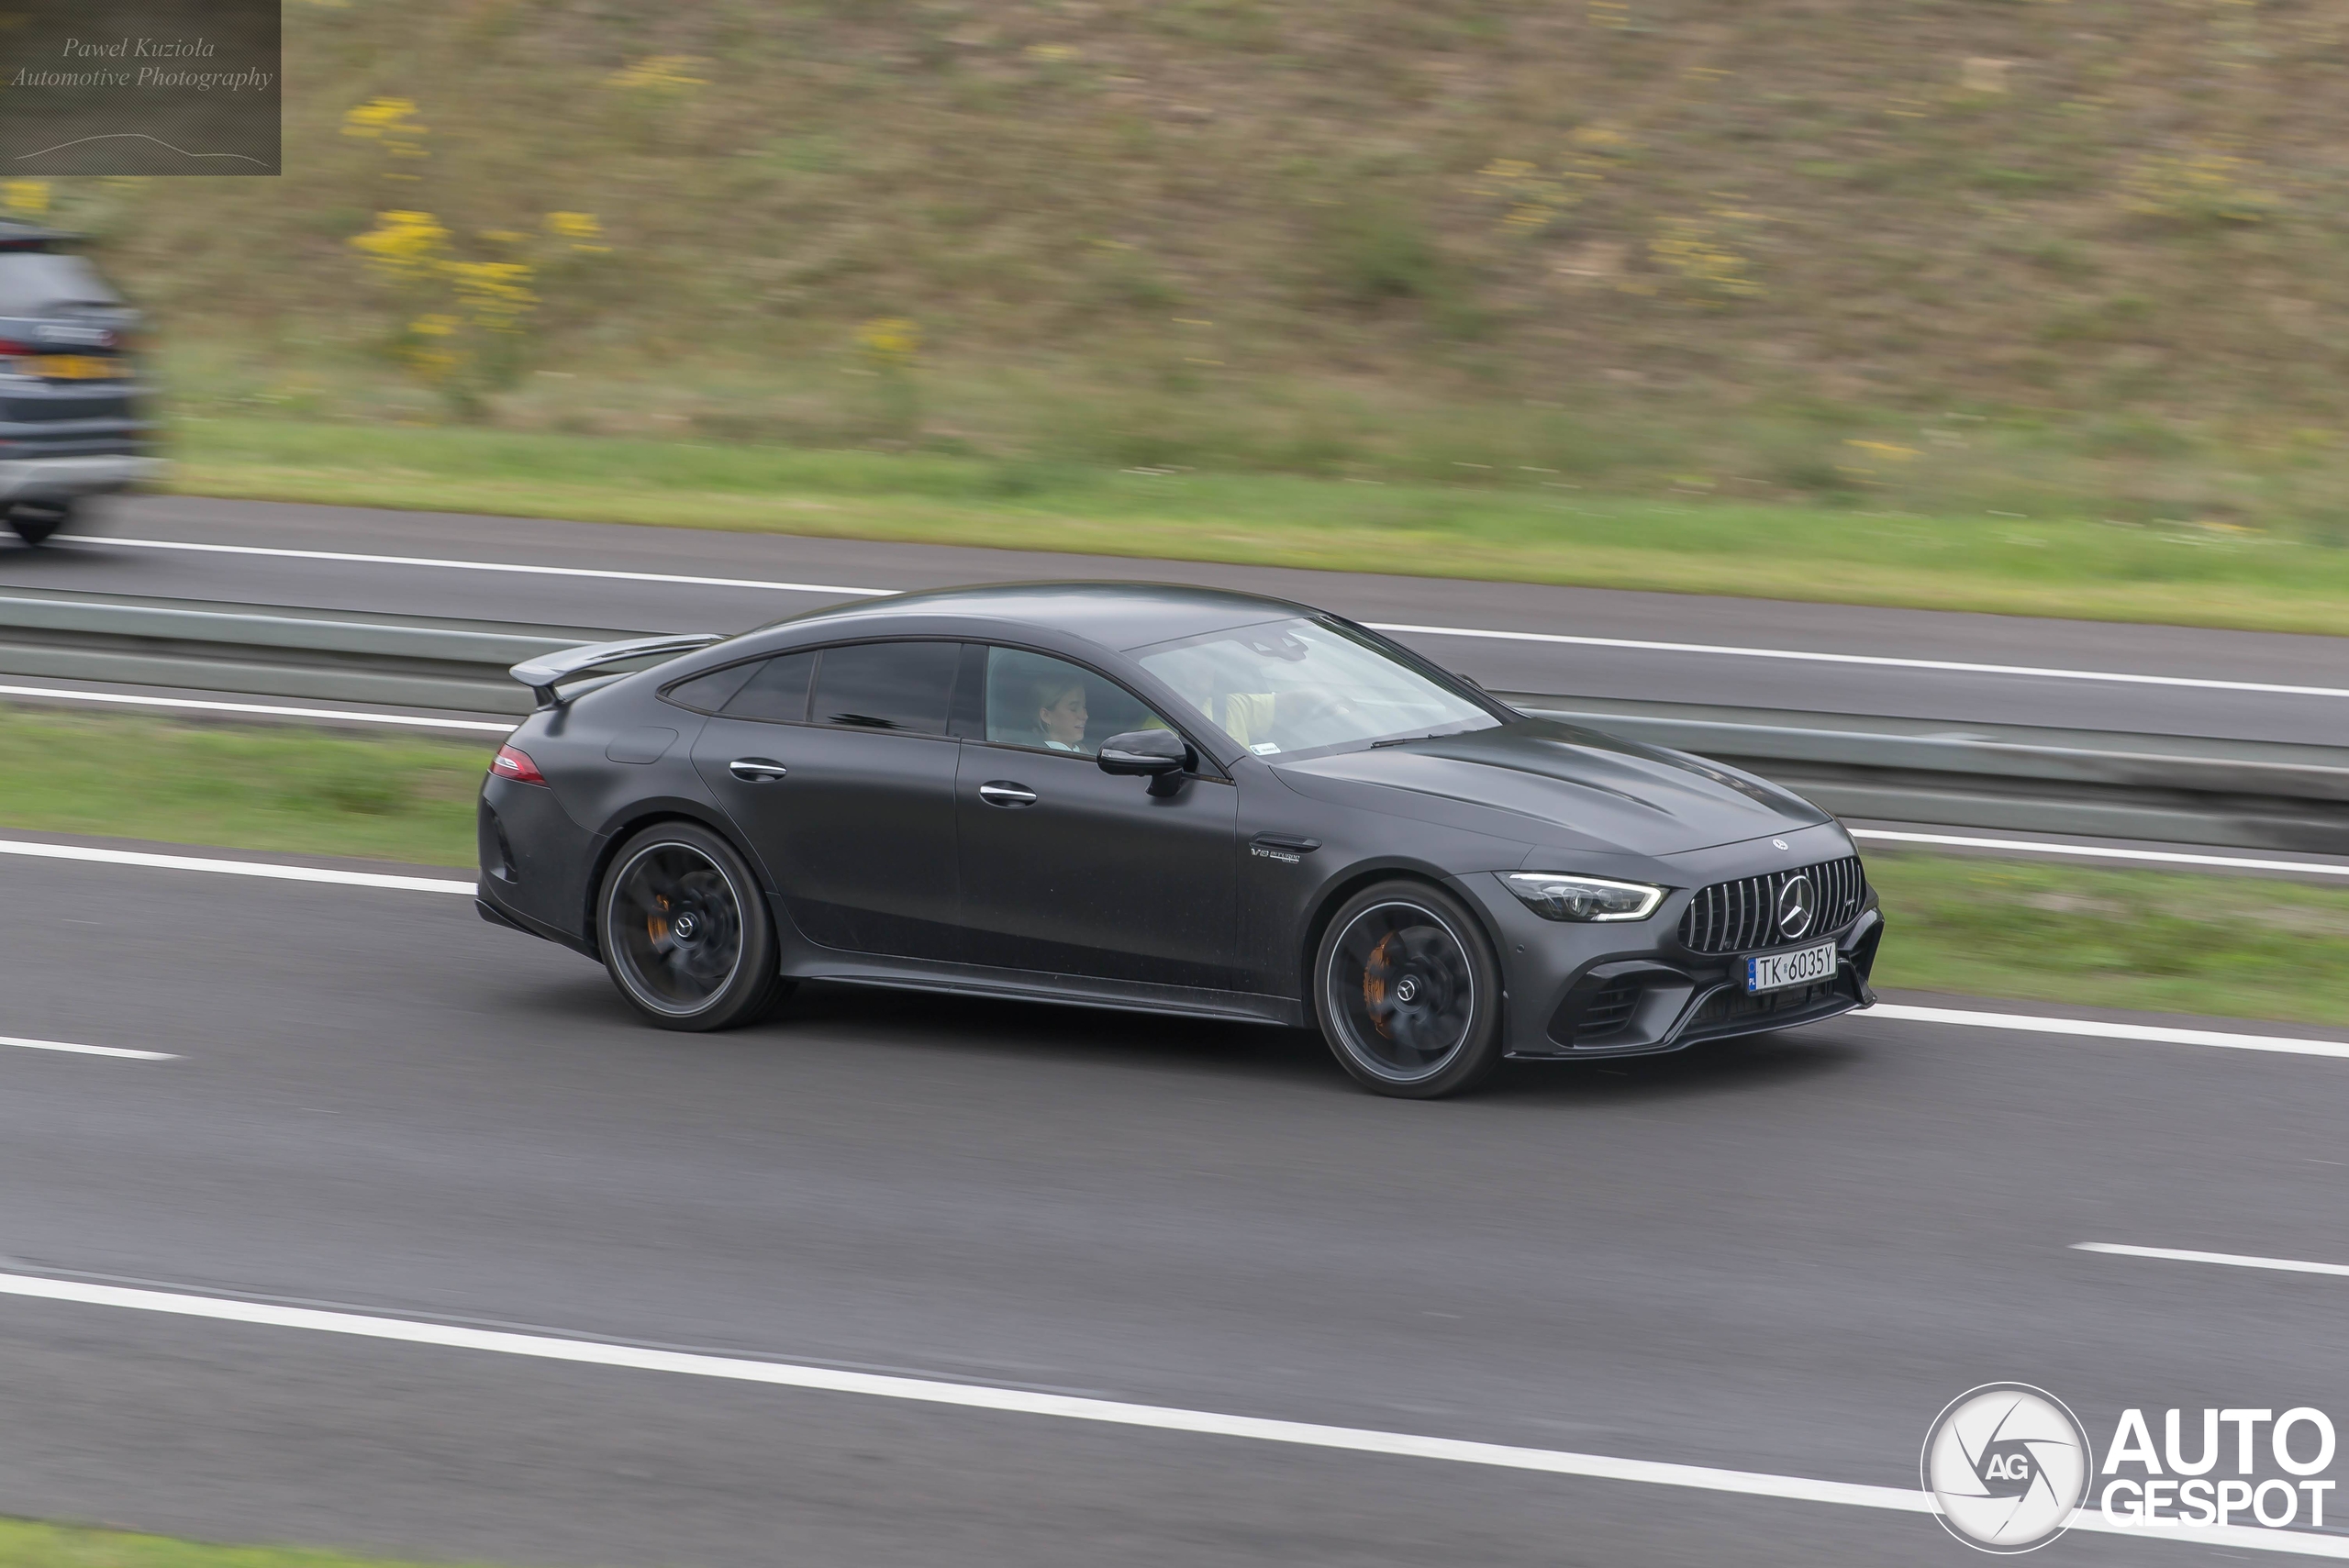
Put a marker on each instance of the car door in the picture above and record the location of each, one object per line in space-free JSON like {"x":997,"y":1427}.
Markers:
{"x":838,"y":768}
{"x":1069,"y":870}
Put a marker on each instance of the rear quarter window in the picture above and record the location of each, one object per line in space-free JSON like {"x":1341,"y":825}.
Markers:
{"x":904,"y":686}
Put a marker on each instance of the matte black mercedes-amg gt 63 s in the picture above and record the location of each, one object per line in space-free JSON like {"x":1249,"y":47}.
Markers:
{"x":1163,"y":798}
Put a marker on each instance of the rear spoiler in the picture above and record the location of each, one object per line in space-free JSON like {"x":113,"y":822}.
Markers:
{"x":542,"y":674}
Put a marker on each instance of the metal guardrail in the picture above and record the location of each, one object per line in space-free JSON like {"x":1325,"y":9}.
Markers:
{"x":264,"y":650}
{"x":2179,"y":789}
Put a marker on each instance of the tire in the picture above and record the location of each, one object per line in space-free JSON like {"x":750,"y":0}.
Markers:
{"x":686,"y":932}
{"x":36,"y":520}
{"x":1407,"y":992}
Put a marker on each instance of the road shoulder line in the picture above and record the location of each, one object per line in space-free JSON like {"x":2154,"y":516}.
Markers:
{"x":275,"y":870}
{"x":87,"y":1049}
{"x":2098,"y":1029}
{"x":1063,"y":1407}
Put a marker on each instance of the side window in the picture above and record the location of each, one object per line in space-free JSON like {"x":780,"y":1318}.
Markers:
{"x":1053,"y":705}
{"x":777,"y":693}
{"x":707,"y":694}
{"x":904,"y":686}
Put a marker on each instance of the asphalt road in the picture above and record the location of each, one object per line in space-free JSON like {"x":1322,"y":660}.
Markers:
{"x":86,"y":563}
{"x":1783,"y":1257}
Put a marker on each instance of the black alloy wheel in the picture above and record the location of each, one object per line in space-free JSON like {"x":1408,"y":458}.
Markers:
{"x":1407,"y":992}
{"x":686,"y":932}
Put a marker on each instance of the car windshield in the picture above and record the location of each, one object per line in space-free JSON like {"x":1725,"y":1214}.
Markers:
{"x":1300,"y":685}
{"x":35,"y":282}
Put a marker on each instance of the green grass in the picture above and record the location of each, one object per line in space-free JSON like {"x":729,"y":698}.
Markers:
{"x":1506,"y":526}
{"x":2030,"y":932}
{"x":293,"y":791}
{"x":2227,"y":946}
{"x":27,"y":1543}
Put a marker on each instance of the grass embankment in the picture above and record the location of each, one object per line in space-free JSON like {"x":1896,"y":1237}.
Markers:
{"x":2030,"y":932}
{"x":26,"y":1543}
{"x":1517,"y":526}
{"x":2229,"y":947}
{"x":291,"y":791}
{"x":1732,"y":240}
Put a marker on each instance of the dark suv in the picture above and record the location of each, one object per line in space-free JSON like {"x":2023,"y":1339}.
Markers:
{"x":69,"y":424}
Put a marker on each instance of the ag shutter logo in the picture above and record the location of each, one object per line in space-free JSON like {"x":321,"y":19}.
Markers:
{"x":2008,"y":1464}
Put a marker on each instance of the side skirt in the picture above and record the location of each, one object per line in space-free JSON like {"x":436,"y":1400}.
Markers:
{"x":1066,"y":990}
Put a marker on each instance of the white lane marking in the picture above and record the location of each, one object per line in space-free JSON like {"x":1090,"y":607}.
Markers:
{"x":232,"y":868}
{"x":1892,"y":1011}
{"x":2233,"y":1260}
{"x":2093,"y":851}
{"x":87,"y":1050}
{"x":511,"y":566}
{"x":2094,"y":1030}
{"x":273,"y":710}
{"x":1558,"y":638}
{"x":1073,"y":1408}
{"x":1884,"y":661}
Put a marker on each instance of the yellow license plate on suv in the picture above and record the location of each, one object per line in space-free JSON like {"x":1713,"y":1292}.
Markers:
{"x":78,"y":367}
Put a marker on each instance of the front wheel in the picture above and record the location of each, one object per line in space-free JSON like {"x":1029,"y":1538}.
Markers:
{"x":34,"y":521}
{"x":685,"y":930}
{"x":1407,"y":992}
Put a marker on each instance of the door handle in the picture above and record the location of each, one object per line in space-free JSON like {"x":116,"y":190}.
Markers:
{"x":1002,"y":792}
{"x":755,"y":770}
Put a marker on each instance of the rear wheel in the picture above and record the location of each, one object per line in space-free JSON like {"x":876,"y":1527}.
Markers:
{"x":36,"y":520}
{"x":685,"y":930}
{"x":1407,"y":992}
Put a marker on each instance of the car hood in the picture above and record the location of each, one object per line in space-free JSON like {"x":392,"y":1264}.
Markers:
{"x":1559,"y":784}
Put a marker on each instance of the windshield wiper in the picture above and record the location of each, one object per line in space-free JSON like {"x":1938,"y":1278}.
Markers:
{"x":1401,"y":740}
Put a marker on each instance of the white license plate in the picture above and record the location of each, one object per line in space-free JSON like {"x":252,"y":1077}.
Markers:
{"x":1776,"y":970}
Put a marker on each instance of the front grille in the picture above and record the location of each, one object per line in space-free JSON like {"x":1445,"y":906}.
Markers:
{"x":1737,"y":917}
{"x":1611,"y":1009}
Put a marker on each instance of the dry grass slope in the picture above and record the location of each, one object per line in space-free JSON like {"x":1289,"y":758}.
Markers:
{"x":2020,"y":255}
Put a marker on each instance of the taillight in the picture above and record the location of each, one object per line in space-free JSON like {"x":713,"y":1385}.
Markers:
{"x":517,"y":766}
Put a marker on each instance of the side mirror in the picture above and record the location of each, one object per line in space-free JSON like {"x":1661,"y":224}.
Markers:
{"x":1160,"y":755}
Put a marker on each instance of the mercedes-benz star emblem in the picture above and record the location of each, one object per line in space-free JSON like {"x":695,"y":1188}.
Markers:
{"x":1797,"y":905}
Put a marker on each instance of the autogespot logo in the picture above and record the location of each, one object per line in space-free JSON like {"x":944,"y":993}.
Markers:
{"x":2008,"y":1464}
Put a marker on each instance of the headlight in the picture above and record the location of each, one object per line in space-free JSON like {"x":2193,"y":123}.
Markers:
{"x":1556,"y":896}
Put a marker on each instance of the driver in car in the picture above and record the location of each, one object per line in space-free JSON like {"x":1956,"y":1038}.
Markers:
{"x":1061,"y":713}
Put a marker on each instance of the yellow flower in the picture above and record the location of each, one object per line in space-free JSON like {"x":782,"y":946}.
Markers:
{"x":668,"y":72}
{"x":404,"y":246}
{"x":890,"y":341}
{"x":27,"y":196}
{"x":579,"y":228}
{"x":1689,"y":248}
{"x":389,"y":121}
{"x":496,"y":294}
